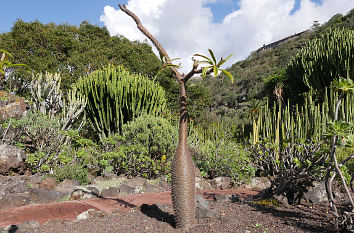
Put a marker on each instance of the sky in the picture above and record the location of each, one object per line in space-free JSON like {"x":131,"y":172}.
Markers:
{"x":186,"y":27}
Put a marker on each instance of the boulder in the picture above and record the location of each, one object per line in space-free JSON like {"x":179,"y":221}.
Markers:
{"x":20,"y":187}
{"x":67,"y":186}
{"x":126,"y":189}
{"x":110,"y":192}
{"x":11,"y":158}
{"x":43,"y":196}
{"x":202,"y":208}
{"x":221,"y":183}
{"x":13,"y":200}
{"x":202,"y":184}
{"x":316,"y":194}
{"x":258,"y":183}
{"x":11,"y":106}
{"x":48,"y":183}
{"x":221,"y":198}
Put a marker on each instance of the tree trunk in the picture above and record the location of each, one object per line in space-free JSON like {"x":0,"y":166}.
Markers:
{"x":183,"y":173}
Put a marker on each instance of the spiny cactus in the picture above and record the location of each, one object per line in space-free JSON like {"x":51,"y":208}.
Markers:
{"x":307,"y":121}
{"x":115,"y":97}
{"x":321,"y":60}
{"x":47,"y":98}
{"x":46,"y":94}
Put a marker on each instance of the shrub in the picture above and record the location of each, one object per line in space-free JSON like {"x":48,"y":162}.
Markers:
{"x":144,"y":149}
{"x":72,"y":172}
{"x":293,"y":168}
{"x":220,"y":156}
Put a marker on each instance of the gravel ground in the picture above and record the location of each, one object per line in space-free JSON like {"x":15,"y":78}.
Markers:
{"x":232,"y":217}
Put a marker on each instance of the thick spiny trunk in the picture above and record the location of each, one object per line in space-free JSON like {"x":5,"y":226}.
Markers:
{"x":183,"y":174}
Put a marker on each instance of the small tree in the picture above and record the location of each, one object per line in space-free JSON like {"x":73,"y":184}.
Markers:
{"x":183,"y":174}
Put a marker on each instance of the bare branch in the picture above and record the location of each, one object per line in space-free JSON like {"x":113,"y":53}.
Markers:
{"x":156,"y":43}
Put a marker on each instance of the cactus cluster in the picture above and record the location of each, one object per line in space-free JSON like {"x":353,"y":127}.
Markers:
{"x":115,"y":97}
{"x":307,"y":121}
{"x":321,"y":60}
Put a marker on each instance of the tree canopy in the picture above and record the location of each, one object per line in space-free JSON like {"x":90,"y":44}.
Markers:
{"x":73,"y":51}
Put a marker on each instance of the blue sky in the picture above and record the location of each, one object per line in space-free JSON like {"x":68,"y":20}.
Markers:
{"x":75,"y":11}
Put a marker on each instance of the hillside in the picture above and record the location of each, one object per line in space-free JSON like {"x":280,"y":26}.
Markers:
{"x":229,"y":99}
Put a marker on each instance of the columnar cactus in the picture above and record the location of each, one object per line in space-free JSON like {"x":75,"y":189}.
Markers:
{"x":115,"y":97}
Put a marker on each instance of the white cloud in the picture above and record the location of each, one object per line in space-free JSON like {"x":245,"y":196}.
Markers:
{"x":186,"y":27}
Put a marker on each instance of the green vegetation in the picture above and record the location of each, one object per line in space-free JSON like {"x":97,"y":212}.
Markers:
{"x":115,"y":97}
{"x":288,"y":115}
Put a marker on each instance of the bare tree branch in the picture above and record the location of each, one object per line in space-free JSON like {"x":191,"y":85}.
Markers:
{"x":157,"y":44}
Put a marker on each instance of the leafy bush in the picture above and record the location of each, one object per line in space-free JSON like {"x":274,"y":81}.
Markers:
{"x":144,"y":149}
{"x":219,"y":156}
{"x":294,"y":167}
{"x":72,"y":172}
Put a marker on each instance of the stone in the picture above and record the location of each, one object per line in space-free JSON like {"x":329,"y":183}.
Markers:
{"x":85,"y":215}
{"x":11,"y":106}
{"x":20,"y":187}
{"x":11,"y":201}
{"x":202,"y":208}
{"x":11,"y":158}
{"x":67,"y":186}
{"x":137,"y":181}
{"x":202,"y":184}
{"x":316,"y":194}
{"x":110,"y":192}
{"x":149,"y":188}
{"x":48,"y":183}
{"x":126,"y":189}
{"x":281,"y":199}
{"x":84,"y":193}
{"x":258,"y":183}
{"x":43,"y":196}
{"x":109,"y":175}
{"x":221,"y":198}
{"x":221,"y":183}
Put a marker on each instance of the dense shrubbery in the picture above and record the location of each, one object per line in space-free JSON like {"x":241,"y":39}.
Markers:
{"x":71,"y":172}
{"x":216,"y":154}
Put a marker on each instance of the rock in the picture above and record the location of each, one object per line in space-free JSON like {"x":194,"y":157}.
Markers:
{"x":94,"y":191}
{"x":11,"y":106}
{"x":316,"y":194}
{"x":220,"y":198}
{"x":281,"y":199}
{"x":11,"y":201}
{"x":85,"y":215}
{"x":150,"y":188}
{"x":137,"y":181}
{"x":48,"y":183}
{"x":221,"y":183}
{"x":84,"y":193}
{"x":11,"y":158}
{"x":126,"y":189}
{"x":109,"y":175}
{"x":202,"y":184}
{"x":20,"y":187}
{"x":98,"y":179}
{"x":202,"y":208}
{"x":43,"y":196}
{"x":67,"y":186}
{"x":258,"y":183}
{"x":110,"y":192}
